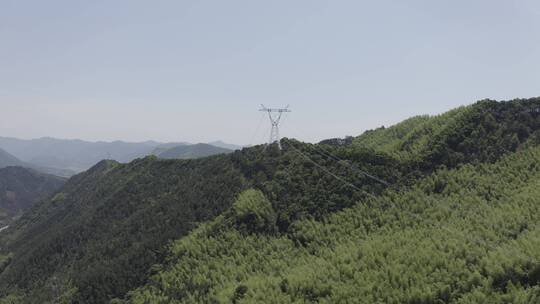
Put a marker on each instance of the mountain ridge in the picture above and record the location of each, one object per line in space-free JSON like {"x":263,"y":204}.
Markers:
{"x":112,"y":224}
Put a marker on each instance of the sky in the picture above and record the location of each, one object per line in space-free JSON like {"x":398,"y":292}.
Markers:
{"x":198,"y":71}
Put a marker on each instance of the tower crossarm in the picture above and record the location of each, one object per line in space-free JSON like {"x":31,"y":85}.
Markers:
{"x":270,"y":110}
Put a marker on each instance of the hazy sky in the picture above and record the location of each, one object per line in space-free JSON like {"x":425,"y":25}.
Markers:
{"x":198,"y":70}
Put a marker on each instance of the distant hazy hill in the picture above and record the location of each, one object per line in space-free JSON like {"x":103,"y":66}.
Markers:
{"x":7,"y":159}
{"x":164,"y":147}
{"x":221,"y":144}
{"x":21,"y":188}
{"x":76,"y":155}
{"x":52,"y":171}
{"x":192,"y":151}
{"x":58,"y":155}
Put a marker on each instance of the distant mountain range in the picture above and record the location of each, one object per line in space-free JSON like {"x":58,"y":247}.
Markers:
{"x":164,"y":147}
{"x":66,"y":157}
{"x":7,"y":160}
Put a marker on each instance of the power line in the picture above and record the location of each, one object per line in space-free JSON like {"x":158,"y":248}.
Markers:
{"x":326,"y":153}
{"x":257,"y":129}
{"x":393,"y":206}
{"x":353,"y":166}
{"x":329,"y":172}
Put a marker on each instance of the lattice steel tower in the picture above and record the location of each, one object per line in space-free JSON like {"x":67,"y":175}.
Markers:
{"x":274,"y":120}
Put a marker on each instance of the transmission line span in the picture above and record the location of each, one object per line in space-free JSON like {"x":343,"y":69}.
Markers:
{"x":393,"y":206}
{"x":322,"y":151}
{"x":326,"y":153}
{"x":275,"y":117}
{"x":341,"y":179}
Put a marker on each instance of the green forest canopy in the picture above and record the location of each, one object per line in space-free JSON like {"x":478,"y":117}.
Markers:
{"x":474,"y":241}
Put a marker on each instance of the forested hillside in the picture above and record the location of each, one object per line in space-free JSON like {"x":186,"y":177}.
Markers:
{"x":107,"y":226}
{"x":468,"y":235}
{"x":21,"y":188}
{"x":436,"y":209}
{"x":483,"y":132}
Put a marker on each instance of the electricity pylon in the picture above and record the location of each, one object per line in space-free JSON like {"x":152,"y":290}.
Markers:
{"x":274,"y":120}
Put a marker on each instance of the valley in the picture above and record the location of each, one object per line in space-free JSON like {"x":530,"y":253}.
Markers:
{"x":21,"y":189}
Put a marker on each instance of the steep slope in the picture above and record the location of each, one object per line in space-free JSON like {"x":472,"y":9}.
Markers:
{"x":21,"y":188}
{"x":408,"y":138}
{"x":475,"y":240}
{"x":105,"y":228}
{"x":192,"y":151}
{"x":389,"y":139}
{"x":481,"y":132}
{"x":7,"y":160}
{"x":98,"y":238}
{"x":103,"y":231}
{"x":462,"y":235}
